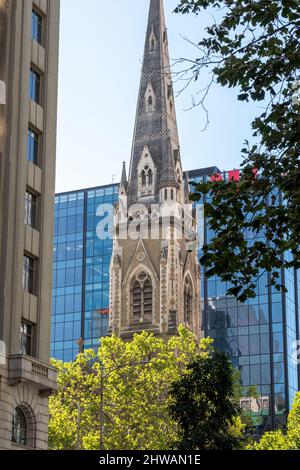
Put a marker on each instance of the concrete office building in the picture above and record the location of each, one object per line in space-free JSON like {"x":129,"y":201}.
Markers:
{"x":29,"y":33}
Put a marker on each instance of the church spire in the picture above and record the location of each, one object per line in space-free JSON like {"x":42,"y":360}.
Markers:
{"x":154,"y":159}
{"x":123,"y":184}
{"x":124,"y":175}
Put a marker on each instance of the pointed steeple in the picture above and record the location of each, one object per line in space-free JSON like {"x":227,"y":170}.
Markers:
{"x":124,"y":175}
{"x":124,"y":183}
{"x":155,"y":125}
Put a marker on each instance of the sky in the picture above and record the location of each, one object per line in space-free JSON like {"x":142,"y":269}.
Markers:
{"x":101,"y":49}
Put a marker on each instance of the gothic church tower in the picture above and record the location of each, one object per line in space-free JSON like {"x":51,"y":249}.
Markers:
{"x":154,"y":274}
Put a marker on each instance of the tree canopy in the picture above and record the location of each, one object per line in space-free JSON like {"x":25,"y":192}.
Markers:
{"x":136,"y":376}
{"x":204,"y":407}
{"x":255,"y":48}
{"x":280,"y":440}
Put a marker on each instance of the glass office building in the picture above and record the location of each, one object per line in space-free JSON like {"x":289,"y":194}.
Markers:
{"x":259,"y":336}
{"x":80,"y":298}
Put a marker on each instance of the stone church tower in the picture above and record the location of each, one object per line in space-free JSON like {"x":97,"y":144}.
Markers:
{"x":154,"y":274}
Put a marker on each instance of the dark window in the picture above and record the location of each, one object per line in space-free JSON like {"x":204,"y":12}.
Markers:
{"x":34,"y":85}
{"x":19,"y":427}
{"x":26,"y":338}
{"x":33,"y":147}
{"x":37,"y":26}
{"x":28,"y":274}
{"x":150,"y":177}
{"x":166,"y":194}
{"x":30,"y":209}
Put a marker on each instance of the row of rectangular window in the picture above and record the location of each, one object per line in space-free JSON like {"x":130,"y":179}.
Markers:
{"x":35,"y":87}
{"x":30,"y":218}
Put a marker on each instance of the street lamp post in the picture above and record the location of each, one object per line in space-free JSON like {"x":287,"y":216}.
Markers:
{"x":101,"y":404}
{"x":103,"y":376}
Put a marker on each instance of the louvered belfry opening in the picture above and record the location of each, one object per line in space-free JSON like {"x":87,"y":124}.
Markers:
{"x":188,"y":301}
{"x":137,"y":301}
{"x":147,"y":291}
{"x":142,"y":298}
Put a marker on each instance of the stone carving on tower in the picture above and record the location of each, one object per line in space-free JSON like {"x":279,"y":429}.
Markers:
{"x":154,"y":273}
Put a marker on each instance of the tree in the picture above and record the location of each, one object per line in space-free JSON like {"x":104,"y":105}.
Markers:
{"x":254,"y":47}
{"x":137,"y":376}
{"x":203,"y":405}
{"x":279,"y":440}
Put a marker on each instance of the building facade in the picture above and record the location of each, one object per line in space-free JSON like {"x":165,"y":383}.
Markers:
{"x":29,"y":32}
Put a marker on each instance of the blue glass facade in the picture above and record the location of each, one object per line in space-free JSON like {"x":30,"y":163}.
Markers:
{"x":259,"y":336}
{"x":80,"y":297}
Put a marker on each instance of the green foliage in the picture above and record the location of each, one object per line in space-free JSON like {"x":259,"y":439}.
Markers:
{"x":279,"y":440}
{"x":255,"y":47}
{"x":204,"y":407}
{"x":136,"y":393}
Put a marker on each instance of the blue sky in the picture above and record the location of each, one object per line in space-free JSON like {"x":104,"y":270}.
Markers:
{"x":101,"y":48}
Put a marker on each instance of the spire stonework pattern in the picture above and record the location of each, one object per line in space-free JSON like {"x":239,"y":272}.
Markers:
{"x":155,"y":124}
{"x":154,"y":275}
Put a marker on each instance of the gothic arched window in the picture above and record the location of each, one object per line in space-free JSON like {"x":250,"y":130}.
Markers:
{"x":188,"y":301}
{"x":142,"y":298}
{"x":146,"y":180}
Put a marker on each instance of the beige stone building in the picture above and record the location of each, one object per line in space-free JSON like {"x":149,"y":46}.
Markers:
{"x":154,"y":274}
{"x":29,"y":32}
